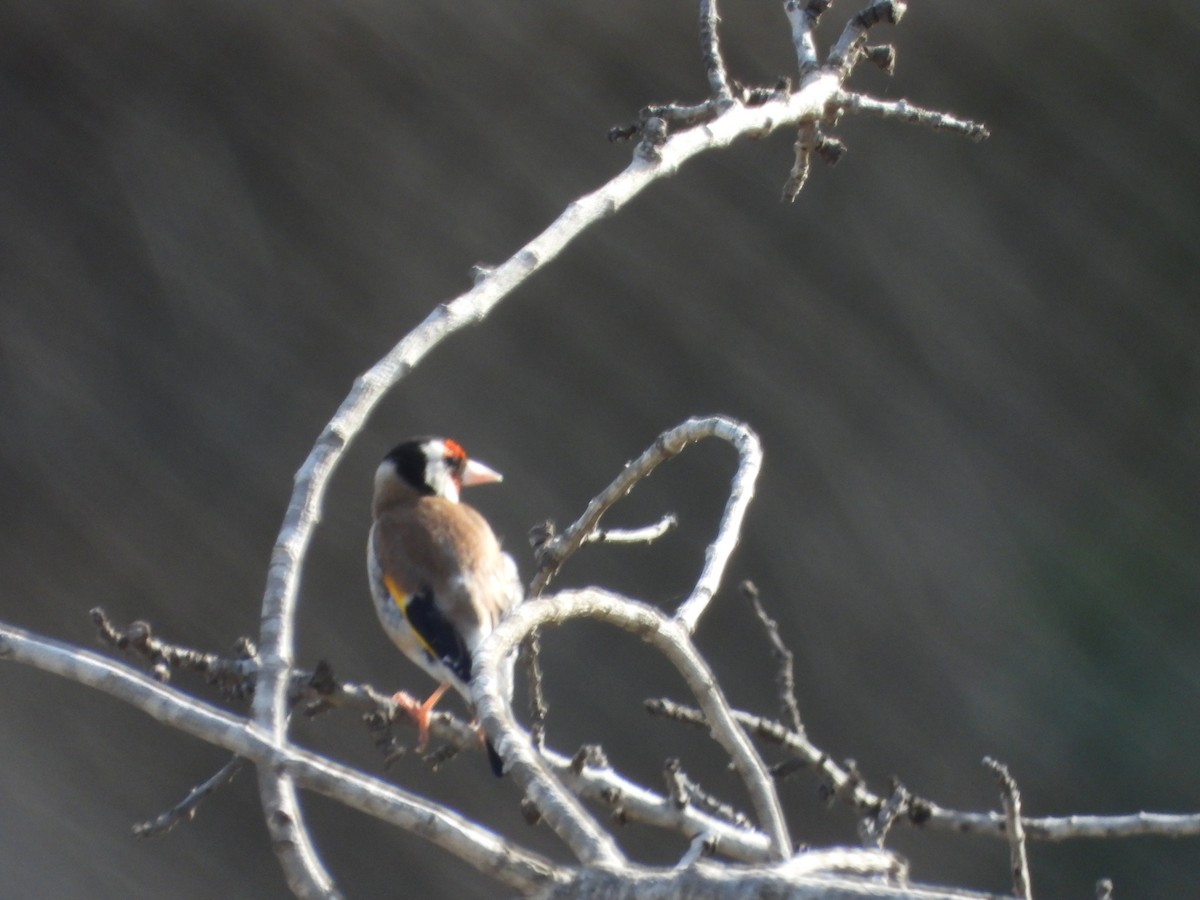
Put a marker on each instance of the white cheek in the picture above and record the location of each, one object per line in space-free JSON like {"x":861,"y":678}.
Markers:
{"x":383,"y":474}
{"x":443,"y":484}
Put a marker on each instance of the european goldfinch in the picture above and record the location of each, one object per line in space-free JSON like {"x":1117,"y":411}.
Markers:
{"x":438,"y":576}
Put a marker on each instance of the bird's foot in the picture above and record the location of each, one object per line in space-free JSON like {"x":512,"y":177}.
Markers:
{"x":419,"y":712}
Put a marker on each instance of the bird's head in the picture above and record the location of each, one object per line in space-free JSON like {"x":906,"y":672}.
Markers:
{"x":431,"y":466}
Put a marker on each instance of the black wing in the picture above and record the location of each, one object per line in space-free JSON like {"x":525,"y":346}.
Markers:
{"x":438,"y":635}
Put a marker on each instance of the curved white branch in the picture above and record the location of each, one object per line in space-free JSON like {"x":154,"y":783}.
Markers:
{"x":670,"y":444}
{"x":741,"y":493}
{"x":558,"y":806}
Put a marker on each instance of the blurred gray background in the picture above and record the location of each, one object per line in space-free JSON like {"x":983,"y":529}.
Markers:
{"x":974,"y":368}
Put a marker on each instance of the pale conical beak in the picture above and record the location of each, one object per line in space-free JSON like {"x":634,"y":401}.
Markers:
{"x":477,"y":473}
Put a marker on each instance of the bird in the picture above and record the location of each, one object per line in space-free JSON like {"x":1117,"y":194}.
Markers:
{"x":439,"y":579}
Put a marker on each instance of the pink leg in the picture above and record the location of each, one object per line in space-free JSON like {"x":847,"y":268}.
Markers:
{"x":419,"y":712}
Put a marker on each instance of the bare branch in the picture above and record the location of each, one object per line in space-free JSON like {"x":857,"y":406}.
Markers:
{"x":741,"y":492}
{"x":647,"y":534}
{"x":234,"y":676}
{"x":803,"y":16}
{"x":674,"y":642}
{"x":588,"y":776}
{"x":313,"y":692}
{"x":682,"y":792}
{"x":813,"y":875}
{"x":807,"y":137}
{"x":1063,"y":828}
{"x":702,"y":845}
{"x":632,"y":803}
{"x":1010,"y":796}
{"x":185,"y":809}
{"x":785,"y":678}
{"x":842,"y":781}
{"x":874,"y":829}
{"x":847,"y":786}
{"x":904,"y":111}
{"x":475,"y":845}
{"x":710,"y":48}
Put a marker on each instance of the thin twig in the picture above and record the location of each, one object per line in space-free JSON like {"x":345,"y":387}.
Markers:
{"x":684,"y":792}
{"x":807,"y":138}
{"x":234,"y":676}
{"x":702,"y":845}
{"x":842,"y":781}
{"x":185,"y":809}
{"x":803,"y":16}
{"x":785,"y":678}
{"x":593,"y":779}
{"x":647,"y":534}
{"x":1065,"y":828}
{"x":874,"y":828}
{"x":710,"y":49}
{"x":903,"y":111}
{"x":1010,"y":796}
{"x":312,"y":692}
{"x":676,"y":782}
{"x":539,"y":709}
{"x":920,"y":812}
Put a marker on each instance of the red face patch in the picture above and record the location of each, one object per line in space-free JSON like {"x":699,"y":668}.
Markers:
{"x":456,"y":460}
{"x":454,"y":451}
